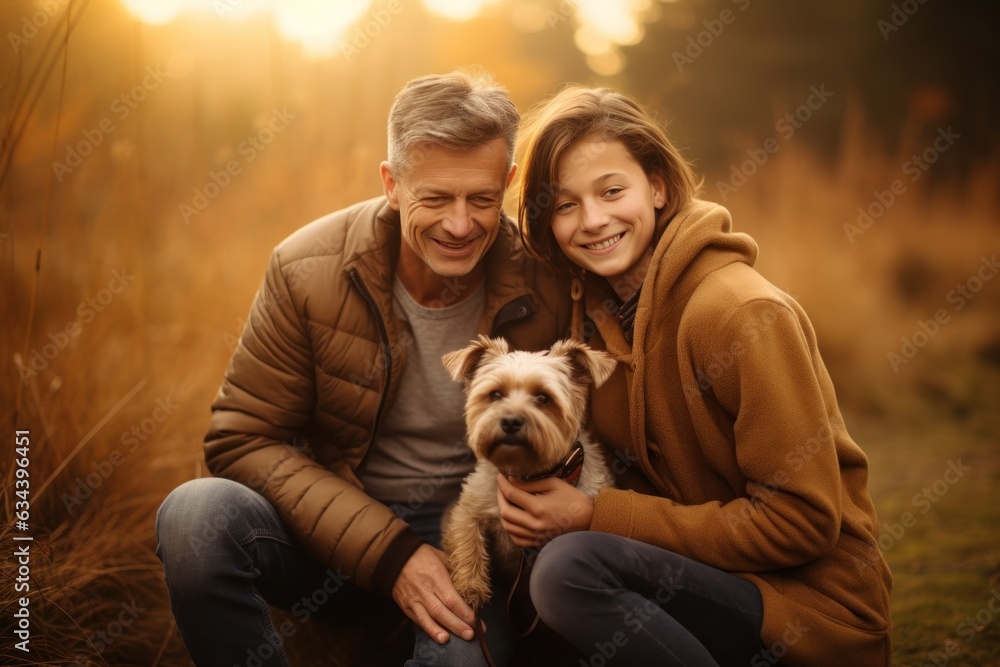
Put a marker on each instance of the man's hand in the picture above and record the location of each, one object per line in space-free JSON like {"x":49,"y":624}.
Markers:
{"x":533,"y":513}
{"x":423,"y":590}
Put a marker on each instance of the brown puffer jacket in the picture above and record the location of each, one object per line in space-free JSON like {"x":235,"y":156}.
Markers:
{"x":319,"y":362}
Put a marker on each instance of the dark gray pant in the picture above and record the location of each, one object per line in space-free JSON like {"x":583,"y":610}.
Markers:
{"x":624,"y":602}
{"x":226,"y":555}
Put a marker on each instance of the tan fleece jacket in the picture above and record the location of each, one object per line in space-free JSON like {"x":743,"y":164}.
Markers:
{"x":739,"y":456}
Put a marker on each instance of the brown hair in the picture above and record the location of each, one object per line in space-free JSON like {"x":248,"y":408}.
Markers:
{"x":458,"y":110}
{"x":577,"y":113}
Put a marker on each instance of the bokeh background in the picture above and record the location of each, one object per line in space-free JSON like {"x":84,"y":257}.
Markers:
{"x":152,"y":153}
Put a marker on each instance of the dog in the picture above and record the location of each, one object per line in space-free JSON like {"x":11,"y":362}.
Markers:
{"x":524,"y":416}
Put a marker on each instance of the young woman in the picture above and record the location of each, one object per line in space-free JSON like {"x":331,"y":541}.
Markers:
{"x":740,"y":531}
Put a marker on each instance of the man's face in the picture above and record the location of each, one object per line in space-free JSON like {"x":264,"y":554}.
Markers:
{"x":449,"y":202}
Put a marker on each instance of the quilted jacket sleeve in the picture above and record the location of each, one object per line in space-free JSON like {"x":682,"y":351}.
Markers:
{"x":265,"y":403}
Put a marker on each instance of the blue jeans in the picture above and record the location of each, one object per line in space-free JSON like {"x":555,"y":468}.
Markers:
{"x":624,"y":602}
{"x":226,"y":555}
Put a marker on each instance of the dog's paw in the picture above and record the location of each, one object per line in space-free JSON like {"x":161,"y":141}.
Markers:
{"x":474,"y":590}
{"x":476,"y":598}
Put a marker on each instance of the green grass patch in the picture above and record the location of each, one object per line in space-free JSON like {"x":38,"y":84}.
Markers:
{"x":939,"y":525}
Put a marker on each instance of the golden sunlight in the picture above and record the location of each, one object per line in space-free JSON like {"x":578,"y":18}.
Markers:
{"x":318,"y":26}
{"x":604,"y":27}
{"x":157,"y":13}
{"x":618,"y":20}
{"x":457,"y":10}
{"x":601,"y":28}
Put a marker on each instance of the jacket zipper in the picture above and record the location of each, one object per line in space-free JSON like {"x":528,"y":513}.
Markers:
{"x":387,"y":357}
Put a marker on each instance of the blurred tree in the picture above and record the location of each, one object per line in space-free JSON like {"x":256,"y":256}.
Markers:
{"x":718,"y":66}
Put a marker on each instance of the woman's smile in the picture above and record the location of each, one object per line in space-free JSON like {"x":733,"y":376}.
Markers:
{"x":606,"y":244}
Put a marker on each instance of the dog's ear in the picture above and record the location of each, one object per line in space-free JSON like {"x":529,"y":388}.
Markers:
{"x":588,"y":364}
{"x":462,"y":364}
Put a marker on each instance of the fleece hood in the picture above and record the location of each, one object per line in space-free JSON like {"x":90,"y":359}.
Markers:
{"x":696,"y":242}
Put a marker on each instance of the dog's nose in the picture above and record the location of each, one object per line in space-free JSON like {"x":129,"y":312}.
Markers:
{"x":511,"y":425}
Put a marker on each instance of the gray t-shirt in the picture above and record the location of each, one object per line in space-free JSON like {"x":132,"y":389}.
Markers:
{"x":421,"y":455}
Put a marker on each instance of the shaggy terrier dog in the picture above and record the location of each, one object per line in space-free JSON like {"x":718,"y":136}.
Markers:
{"x":524,"y":414}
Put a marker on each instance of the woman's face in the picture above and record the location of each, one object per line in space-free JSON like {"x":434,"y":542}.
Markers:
{"x":605,"y":215}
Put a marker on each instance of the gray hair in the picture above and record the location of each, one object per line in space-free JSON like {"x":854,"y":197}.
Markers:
{"x":457,"y":110}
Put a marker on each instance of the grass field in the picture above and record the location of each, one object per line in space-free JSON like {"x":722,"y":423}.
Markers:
{"x":116,"y":417}
{"x":946,"y":564}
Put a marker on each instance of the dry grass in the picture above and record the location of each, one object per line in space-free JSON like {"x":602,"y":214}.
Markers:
{"x":166,"y":336}
{"x":938,"y":407}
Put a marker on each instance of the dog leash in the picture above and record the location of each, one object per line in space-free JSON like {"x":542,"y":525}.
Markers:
{"x":569,"y":469}
{"x":480,"y":629}
{"x":523,"y":572}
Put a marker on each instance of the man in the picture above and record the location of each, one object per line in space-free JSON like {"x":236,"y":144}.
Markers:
{"x":337,"y":431}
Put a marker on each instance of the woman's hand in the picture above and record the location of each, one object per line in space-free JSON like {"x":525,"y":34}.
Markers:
{"x":534,"y":512}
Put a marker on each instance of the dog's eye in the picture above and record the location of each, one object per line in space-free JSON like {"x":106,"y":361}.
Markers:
{"x":495,"y":395}
{"x":542,"y":398}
